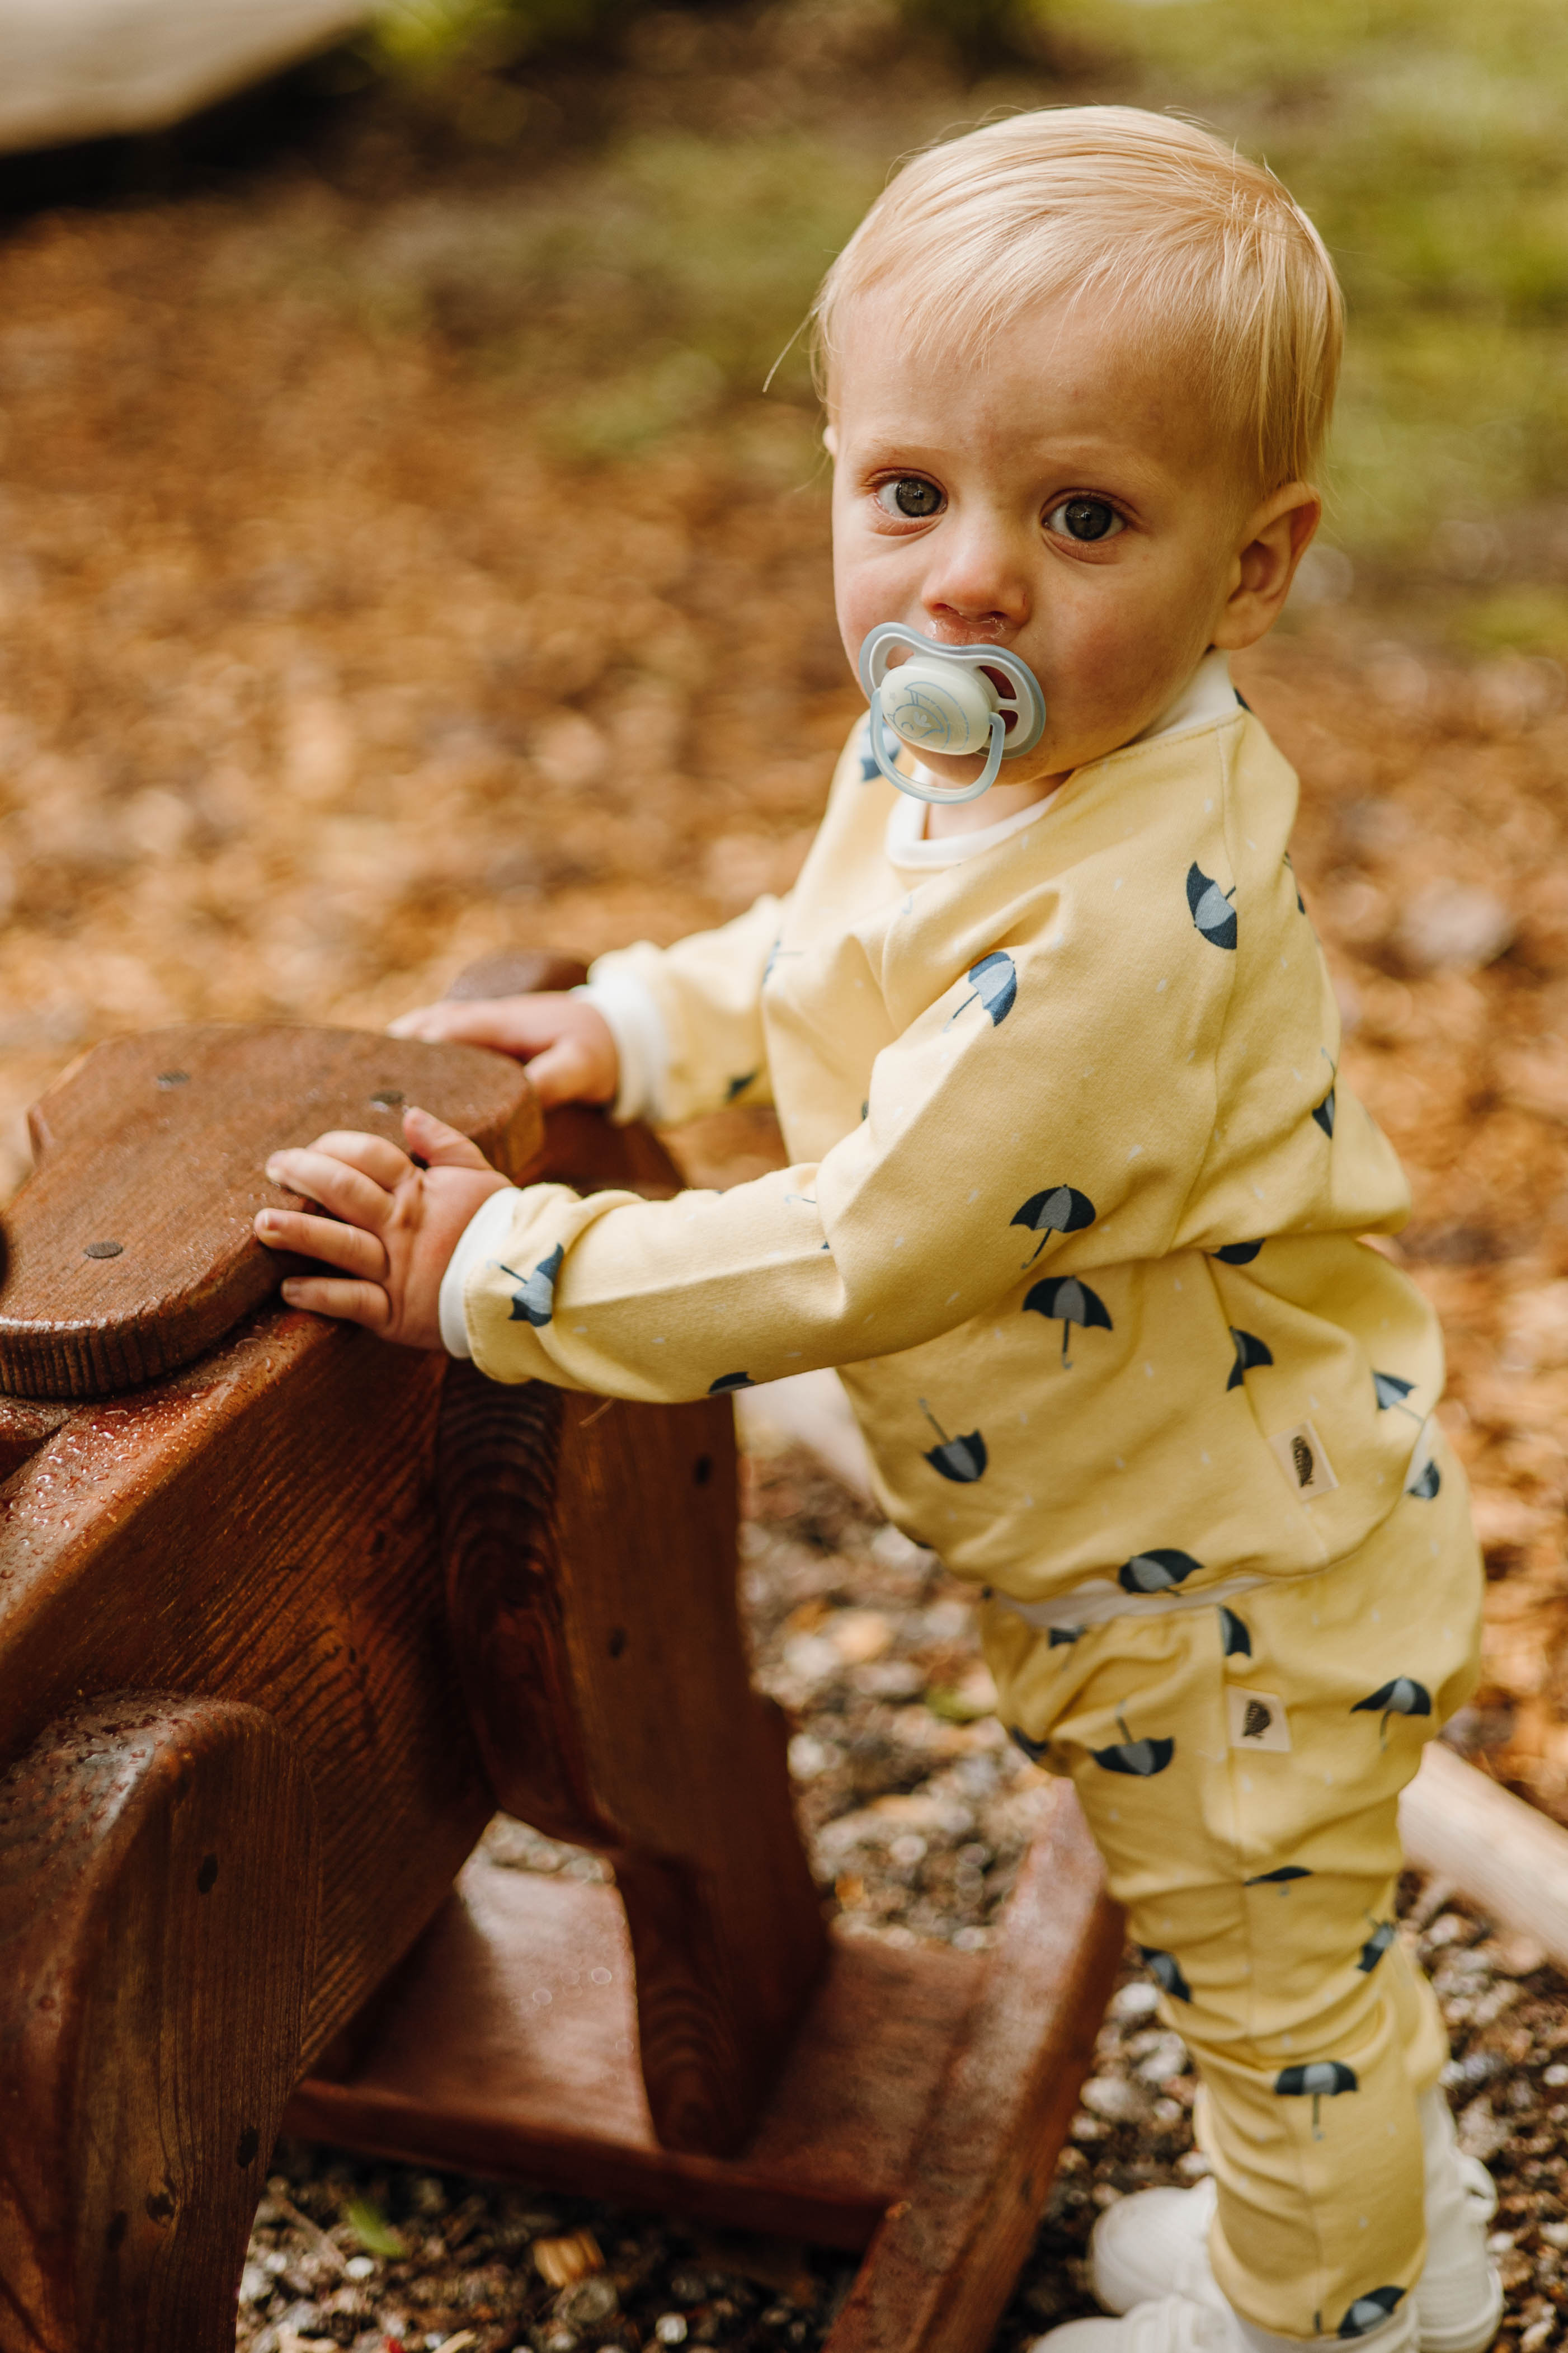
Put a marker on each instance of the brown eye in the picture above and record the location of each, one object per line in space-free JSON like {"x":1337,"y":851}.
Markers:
{"x":911,"y":497}
{"x":1085,"y":519}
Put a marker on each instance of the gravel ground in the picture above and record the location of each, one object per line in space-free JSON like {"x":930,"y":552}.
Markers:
{"x":918,"y":1813}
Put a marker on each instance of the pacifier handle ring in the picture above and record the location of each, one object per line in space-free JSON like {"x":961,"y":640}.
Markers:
{"x":937,"y":796}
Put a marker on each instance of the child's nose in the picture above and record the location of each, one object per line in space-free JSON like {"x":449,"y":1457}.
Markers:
{"x":978,"y":581}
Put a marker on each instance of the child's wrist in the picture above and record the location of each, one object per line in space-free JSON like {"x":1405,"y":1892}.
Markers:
{"x":480,"y":1238}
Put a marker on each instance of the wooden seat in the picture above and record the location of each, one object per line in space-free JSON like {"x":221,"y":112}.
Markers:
{"x":285,"y":1614}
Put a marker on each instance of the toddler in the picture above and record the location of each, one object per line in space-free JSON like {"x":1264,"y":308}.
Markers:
{"x":1075,"y":1200}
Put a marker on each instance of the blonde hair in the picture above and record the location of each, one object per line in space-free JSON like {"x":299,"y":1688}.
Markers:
{"x":1210,"y":252}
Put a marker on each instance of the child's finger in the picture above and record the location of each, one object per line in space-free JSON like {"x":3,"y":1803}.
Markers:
{"x":321,"y":1176}
{"x":425,"y":1021}
{"x":351,"y":1302}
{"x":564,"y":1072}
{"x":435,"y":1142}
{"x":375,"y":1156}
{"x":349,"y":1247}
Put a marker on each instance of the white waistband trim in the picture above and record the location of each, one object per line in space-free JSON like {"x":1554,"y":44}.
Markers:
{"x":1097,"y":1603}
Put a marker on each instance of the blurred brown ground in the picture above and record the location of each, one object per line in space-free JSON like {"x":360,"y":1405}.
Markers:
{"x":325,"y":671}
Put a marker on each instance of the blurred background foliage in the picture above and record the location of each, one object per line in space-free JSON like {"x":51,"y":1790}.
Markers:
{"x":649,"y":290}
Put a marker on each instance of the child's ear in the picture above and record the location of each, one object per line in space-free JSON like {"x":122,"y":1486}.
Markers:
{"x":830,"y":440}
{"x":1273,"y":540}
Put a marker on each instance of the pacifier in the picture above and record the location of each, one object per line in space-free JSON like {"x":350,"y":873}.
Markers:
{"x":954,"y":699}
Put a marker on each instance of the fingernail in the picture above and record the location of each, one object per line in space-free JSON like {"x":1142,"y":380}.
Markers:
{"x":273,"y":1174}
{"x":290,"y":1291}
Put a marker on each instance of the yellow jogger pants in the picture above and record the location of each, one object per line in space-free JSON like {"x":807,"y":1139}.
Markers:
{"x":1240,"y":1767}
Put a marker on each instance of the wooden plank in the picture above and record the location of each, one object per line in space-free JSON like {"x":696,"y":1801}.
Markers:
{"x":590,"y":1581}
{"x":152,"y":1993}
{"x":942,"y":2265}
{"x":260,"y":1528}
{"x":131,"y":1246}
{"x":1509,"y":1858}
{"x":506,"y":2046}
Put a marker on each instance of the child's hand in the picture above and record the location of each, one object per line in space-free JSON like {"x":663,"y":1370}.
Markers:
{"x":393,"y":1225}
{"x":567,"y":1045}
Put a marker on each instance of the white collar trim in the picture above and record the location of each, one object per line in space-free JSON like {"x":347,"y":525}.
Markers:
{"x":1208,"y":698}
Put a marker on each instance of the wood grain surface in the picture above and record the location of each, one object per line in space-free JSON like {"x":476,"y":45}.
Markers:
{"x":152,"y":1997}
{"x":591,"y":1568}
{"x":261,"y":1528}
{"x":924,"y":2100}
{"x":130,"y":1245}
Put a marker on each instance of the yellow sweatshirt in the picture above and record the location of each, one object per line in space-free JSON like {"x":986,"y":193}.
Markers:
{"x":1074,"y":1198}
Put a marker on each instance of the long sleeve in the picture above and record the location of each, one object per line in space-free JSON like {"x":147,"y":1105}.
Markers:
{"x":1075,"y":1194}
{"x":700,"y":1000}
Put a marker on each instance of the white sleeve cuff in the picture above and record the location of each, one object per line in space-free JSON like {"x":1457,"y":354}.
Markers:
{"x":637,"y":1028}
{"x":480,"y":1238}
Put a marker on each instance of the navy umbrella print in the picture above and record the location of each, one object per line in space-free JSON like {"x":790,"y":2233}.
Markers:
{"x":1059,"y":1210}
{"x":1403,"y":1696}
{"x":1236,"y":1643}
{"x":1384,"y":1933}
{"x":1249,"y":1351}
{"x":1073,"y":1302}
{"x":1143,"y":1758}
{"x":1320,"y":2079}
{"x":995,"y":981}
{"x":536,"y":1303}
{"x":962,"y":1460}
{"x":1370,"y":2311}
{"x":1061,"y":1637}
{"x":1166,"y":1972}
{"x":1427,"y":1482}
{"x":1281,"y":1878}
{"x":738,"y":1086}
{"x":1155,"y":1572}
{"x":1323,"y":1112}
{"x":1238,"y":1253}
{"x":1390,"y":1390}
{"x":1211,"y":909}
{"x":728,"y":1381}
{"x":1291,"y":870}
{"x":1033,"y":1750}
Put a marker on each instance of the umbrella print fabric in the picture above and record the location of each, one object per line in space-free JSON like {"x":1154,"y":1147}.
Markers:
{"x":1384,"y":1933}
{"x":1166,"y":1972}
{"x":727,"y":1381}
{"x":1033,"y":1750}
{"x":1141,"y":1758}
{"x":1251,"y":1351}
{"x":1403,"y":1696}
{"x":1238,"y":1253}
{"x":1319,"y":2080}
{"x":995,"y":981}
{"x":1156,"y":1572}
{"x":1323,"y":1112}
{"x":1391,"y":1393}
{"x":1211,"y":910}
{"x":1059,"y":1210}
{"x":1370,"y":2311}
{"x":534,"y":1303}
{"x":1073,"y":1302}
{"x":1285,"y":1874}
{"x":1427,"y":1482}
{"x":962,"y":1460}
{"x":1236,"y":1643}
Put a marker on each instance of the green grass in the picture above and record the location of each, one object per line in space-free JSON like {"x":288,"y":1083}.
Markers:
{"x":1427,"y":140}
{"x":650,"y":290}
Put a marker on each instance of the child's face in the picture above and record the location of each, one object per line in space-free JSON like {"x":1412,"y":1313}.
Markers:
{"x":1059,"y":497}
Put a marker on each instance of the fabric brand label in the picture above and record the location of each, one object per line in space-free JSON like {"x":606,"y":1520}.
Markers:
{"x":1258,"y":1719}
{"x":1304,"y":1462}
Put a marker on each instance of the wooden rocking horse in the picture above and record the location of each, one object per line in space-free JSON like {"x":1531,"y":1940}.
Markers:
{"x":284,"y":1615}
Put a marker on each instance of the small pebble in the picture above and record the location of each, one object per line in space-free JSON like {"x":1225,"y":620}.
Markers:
{"x":669,"y":2329}
{"x":571,"y":2257}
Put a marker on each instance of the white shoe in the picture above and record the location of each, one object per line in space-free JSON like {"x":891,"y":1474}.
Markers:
{"x":1166,"y":2324}
{"x":1182,"y":2324}
{"x":1155,"y":2243}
